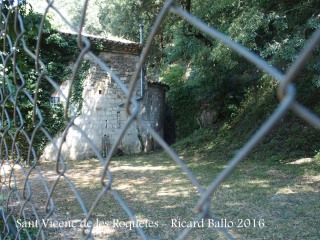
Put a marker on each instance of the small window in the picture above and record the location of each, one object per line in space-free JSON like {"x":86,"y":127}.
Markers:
{"x":54,"y":101}
{"x":100,"y":92}
{"x":118,"y":119}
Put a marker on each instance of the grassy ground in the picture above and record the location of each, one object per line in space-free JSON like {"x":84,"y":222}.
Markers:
{"x":273,"y":194}
{"x":264,"y":199}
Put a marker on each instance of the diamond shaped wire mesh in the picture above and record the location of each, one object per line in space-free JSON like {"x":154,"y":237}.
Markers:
{"x":18,"y":189}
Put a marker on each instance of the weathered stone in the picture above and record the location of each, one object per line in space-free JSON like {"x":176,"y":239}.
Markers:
{"x":103,"y":112}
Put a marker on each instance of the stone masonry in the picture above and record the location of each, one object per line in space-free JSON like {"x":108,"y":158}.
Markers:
{"x":103,"y":114}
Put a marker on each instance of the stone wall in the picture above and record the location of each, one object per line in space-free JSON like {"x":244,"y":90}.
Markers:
{"x":103,"y":111}
{"x":153,"y":113}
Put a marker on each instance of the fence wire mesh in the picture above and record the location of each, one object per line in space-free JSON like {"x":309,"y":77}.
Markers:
{"x":21,"y":197}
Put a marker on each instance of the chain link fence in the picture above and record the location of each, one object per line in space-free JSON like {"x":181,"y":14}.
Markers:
{"x":19,"y":200}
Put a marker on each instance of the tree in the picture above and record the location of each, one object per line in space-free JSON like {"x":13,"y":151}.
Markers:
{"x":275,"y":30}
{"x":20,"y":79}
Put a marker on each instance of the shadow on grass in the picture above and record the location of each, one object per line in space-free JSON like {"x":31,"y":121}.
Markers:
{"x":284,"y":196}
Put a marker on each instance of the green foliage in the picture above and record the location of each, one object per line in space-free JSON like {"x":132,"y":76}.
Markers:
{"x":76,"y":97}
{"x":173,"y":75}
{"x":259,"y":101}
{"x":56,"y":52}
{"x":184,"y":109}
{"x":270,"y":29}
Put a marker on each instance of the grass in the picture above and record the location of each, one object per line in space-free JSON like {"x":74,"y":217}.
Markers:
{"x":273,"y":194}
{"x":282,"y":197}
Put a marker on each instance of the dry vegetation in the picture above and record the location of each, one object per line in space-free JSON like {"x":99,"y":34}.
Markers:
{"x":284,"y":196}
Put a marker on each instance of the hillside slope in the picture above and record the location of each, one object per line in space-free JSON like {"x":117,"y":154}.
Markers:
{"x":290,"y":139}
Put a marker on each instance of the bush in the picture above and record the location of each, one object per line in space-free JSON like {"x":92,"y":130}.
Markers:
{"x":184,"y":109}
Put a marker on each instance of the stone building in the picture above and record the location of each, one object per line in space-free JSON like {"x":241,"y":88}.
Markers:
{"x":103,"y":115}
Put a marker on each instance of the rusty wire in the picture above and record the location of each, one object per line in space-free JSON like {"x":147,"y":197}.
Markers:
{"x":14,"y":191}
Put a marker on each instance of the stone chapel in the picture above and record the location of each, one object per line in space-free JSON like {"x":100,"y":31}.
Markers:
{"x":103,"y":116}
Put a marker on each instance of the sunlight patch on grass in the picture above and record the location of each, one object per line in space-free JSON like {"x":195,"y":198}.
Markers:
{"x":157,"y":189}
{"x":142,"y":168}
{"x":235,"y":204}
{"x":260,"y":183}
{"x":312,"y":179}
{"x":50,"y":175}
{"x":173,"y":192}
{"x":130,"y":184}
{"x":103,"y":228}
{"x":301,"y":161}
{"x":286,"y":190}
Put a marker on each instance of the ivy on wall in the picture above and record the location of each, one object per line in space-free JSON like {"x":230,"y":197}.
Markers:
{"x":57,"y":53}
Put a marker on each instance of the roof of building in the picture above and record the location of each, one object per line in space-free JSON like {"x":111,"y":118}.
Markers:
{"x":110,"y":43}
